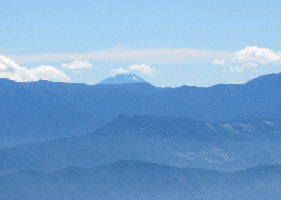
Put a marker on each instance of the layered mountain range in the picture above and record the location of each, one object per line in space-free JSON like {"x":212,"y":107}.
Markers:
{"x":175,"y":141}
{"x":137,"y":141}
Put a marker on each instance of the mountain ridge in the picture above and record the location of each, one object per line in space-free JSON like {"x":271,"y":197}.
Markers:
{"x":135,"y":180}
{"x":52,"y":108}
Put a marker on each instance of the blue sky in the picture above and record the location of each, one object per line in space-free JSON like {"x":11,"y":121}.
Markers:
{"x":168,"y":43}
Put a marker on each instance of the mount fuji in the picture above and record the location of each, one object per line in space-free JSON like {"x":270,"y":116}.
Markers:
{"x":123,"y":78}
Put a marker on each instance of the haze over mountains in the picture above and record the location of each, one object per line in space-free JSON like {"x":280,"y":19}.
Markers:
{"x":135,"y":180}
{"x":137,"y":141}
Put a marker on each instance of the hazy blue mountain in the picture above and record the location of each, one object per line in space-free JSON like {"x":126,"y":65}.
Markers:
{"x":43,"y":110}
{"x":180,"y":142}
{"x":123,"y":78}
{"x":134,"y":180}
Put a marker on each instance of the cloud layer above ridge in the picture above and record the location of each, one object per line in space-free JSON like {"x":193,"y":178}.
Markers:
{"x":148,"y":56}
{"x":9,"y":69}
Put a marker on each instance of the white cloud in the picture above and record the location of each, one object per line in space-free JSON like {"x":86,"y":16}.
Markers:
{"x":242,"y":67}
{"x":253,"y":54}
{"x":77,"y":65}
{"x":144,"y":69}
{"x":9,"y":69}
{"x":250,"y":57}
{"x":49,"y":73}
{"x":123,"y":55}
{"x":219,"y":62}
{"x":116,"y":71}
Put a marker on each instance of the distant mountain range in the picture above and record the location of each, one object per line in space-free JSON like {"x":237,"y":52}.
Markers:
{"x":123,"y":78}
{"x":135,"y":180}
{"x":43,"y":110}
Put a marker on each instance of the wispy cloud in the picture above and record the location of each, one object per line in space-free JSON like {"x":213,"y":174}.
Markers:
{"x":77,"y":65}
{"x":144,"y":69}
{"x":149,"y":56}
{"x":116,"y":71}
{"x":250,"y":57}
{"x":219,"y":62}
{"x":9,"y":69}
{"x":242,"y":67}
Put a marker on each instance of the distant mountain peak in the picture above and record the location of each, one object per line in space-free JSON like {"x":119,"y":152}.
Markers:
{"x":123,"y":78}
